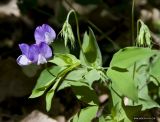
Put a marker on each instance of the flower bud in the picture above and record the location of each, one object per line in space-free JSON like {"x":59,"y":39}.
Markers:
{"x":67,"y":34}
{"x":144,"y":36}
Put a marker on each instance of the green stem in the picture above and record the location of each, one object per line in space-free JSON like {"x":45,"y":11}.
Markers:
{"x":95,"y":27}
{"x":134,"y":70}
{"x":78,"y":34}
{"x":62,"y":74}
{"x":77,"y":25}
{"x":133,"y":4}
{"x":139,"y":24}
{"x":58,"y":80}
{"x":56,"y":84}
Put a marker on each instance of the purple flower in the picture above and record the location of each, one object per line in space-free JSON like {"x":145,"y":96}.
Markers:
{"x":45,"y":34}
{"x":35,"y":53}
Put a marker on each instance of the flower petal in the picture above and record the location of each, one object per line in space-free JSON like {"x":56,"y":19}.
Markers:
{"x":50,"y":34}
{"x":41,"y":59}
{"x":45,"y":34}
{"x":23,"y":60}
{"x":24,"y":48}
{"x":39,"y":35}
{"x":45,"y":50}
{"x":33,"y":53}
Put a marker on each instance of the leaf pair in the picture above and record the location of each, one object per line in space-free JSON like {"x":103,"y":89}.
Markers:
{"x":52,"y":77}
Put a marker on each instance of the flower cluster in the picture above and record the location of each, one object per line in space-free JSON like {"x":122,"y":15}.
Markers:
{"x":40,"y":51}
{"x":67,"y":34}
{"x":144,"y":36}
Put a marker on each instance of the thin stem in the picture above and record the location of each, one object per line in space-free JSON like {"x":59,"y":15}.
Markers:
{"x":133,"y":5}
{"x":138,"y":27}
{"x":62,"y":74}
{"x":56,"y":84}
{"x":139,"y":24}
{"x":78,"y":34}
{"x":55,"y":75}
{"x":134,"y":71}
{"x":77,"y":26}
{"x":95,"y":27}
{"x":70,"y":12}
{"x":137,"y":33}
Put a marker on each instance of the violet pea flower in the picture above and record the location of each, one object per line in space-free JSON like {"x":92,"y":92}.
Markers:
{"x":35,"y":53}
{"x":45,"y":34}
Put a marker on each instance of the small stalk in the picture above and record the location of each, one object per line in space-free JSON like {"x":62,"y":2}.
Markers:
{"x":133,"y":5}
{"x":78,"y":34}
{"x":77,"y":25}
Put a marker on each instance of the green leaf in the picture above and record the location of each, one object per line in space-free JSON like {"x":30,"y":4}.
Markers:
{"x":101,"y":119}
{"x":142,"y":78}
{"x":86,"y":94}
{"x":68,"y":83}
{"x":143,"y":94}
{"x":86,"y":114}
{"x":75,"y":118}
{"x":123,"y":84}
{"x":155,"y":70}
{"x":36,"y":93}
{"x":64,"y":59}
{"x":44,"y":80}
{"x":147,"y":103}
{"x":49,"y":97}
{"x":117,"y":113}
{"x":92,"y":76}
{"x":92,"y":55}
{"x":77,"y":74}
{"x":58,"y":80}
{"x":120,"y":112}
{"x":126,"y":57}
{"x":74,"y":78}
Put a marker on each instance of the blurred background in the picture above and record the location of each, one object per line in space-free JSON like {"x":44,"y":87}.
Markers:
{"x":111,"y":22}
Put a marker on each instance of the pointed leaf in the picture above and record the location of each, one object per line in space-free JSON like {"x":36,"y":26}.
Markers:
{"x":92,"y":55}
{"x":126,"y":57}
{"x":49,"y":97}
{"x":155,"y":67}
{"x":64,"y":59}
{"x":86,"y":94}
{"x":123,"y":83}
{"x":86,"y":114}
{"x":46,"y":77}
{"x":92,"y":76}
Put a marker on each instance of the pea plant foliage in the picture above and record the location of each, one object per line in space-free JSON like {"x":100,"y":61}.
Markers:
{"x":130,"y":72}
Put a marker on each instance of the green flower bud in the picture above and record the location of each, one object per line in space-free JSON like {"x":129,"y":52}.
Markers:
{"x":144,"y":36}
{"x":67,"y":34}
